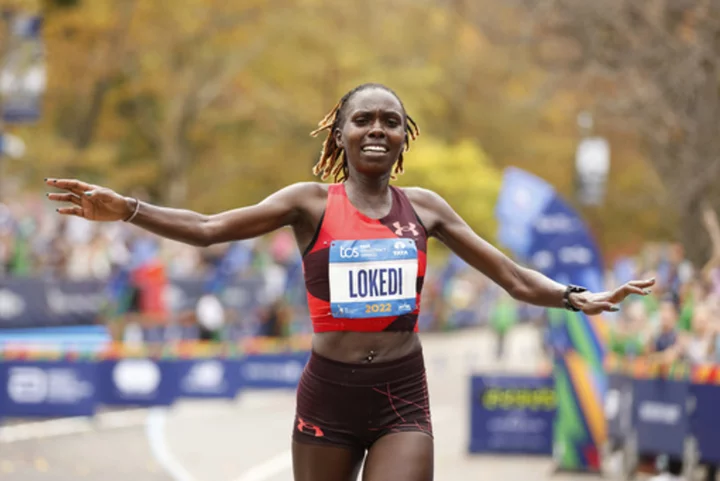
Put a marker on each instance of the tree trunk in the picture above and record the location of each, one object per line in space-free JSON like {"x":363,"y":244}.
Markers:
{"x":174,"y":178}
{"x":693,"y":235}
{"x":175,"y":155}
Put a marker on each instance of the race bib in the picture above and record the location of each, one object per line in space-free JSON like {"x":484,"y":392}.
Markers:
{"x":373,"y":278}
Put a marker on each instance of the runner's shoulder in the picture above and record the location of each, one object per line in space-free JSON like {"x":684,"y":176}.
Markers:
{"x":305,"y":196}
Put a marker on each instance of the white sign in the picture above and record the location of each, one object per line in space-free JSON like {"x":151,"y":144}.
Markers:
{"x":592,"y":162}
{"x":136,"y":376}
{"x":34,"y":385}
{"x":205,"y":376}
{"x":660,"y":413}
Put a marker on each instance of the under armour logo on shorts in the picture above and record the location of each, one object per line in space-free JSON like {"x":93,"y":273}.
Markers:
{"x":401,"y":229}
{"x":311,"y":429}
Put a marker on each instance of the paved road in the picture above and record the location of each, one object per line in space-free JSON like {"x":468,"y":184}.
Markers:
{"x":248,"y":439}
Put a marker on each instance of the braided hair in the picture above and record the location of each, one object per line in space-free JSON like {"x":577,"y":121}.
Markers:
{"x":332,"y":157}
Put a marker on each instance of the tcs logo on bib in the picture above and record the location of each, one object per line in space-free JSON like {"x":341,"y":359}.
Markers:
{"x":349,"y":252}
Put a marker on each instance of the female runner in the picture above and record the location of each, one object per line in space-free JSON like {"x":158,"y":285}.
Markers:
{"x":364,"y":245}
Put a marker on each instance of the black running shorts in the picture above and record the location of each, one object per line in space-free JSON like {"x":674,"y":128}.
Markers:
{"x":356,"y":404}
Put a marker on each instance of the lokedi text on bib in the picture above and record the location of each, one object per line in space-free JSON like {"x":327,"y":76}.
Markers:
{"x":373,"y":278}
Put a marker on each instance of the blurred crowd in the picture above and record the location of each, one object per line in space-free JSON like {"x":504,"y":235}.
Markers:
{"x":36,"y":242}
{"x":679,"y":319}
{"x":680,"y":322}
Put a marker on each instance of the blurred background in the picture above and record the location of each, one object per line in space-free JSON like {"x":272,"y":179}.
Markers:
{"x":207,"y":105}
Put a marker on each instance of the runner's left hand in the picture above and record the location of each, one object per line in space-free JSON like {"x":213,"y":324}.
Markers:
{"x":594,"y":303}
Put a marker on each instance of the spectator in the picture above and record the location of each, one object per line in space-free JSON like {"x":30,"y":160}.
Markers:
{"x":503,"y":317}
{"x":665,"y":344}
{"x":665,"y":347}
{"x":626,"y":337}
{"x":700,"y":345}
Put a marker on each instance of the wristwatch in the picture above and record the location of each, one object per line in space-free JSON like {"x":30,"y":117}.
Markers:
{"x":566,"y":297}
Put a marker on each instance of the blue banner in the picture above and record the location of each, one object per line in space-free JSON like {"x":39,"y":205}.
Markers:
{"x":705,"y":420}
{"x":563,"y":249}
{"x":47,"y":388}
{"x":29,"y":302}
{"x":208,"y":378}
{"x":137,"y":382}
{"x":37,"y":302}
{"x":272,"y":371}
{"x":512,"y":414}
{"x":522,"y":198}
{"x":544,"y":232}
{"x":72,"y":338}
{"x":65,"y":388}
{"x":660,"y":416}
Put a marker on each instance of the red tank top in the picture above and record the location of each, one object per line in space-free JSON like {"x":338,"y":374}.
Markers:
{"x":365,"y":274}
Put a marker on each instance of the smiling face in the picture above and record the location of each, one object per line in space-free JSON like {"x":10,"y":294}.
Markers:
{"x":372,"y":132}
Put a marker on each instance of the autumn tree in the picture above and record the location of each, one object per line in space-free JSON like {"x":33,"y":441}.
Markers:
{"x":463,"y":174}
{"x":133,"y":83}
{"x":653,"y":68}
{"x":208,"y":104}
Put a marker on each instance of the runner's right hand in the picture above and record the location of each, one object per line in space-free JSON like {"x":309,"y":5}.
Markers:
{"x":91,"y":202}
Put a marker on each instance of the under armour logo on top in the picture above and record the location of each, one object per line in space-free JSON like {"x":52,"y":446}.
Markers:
{"x":401,"y":229}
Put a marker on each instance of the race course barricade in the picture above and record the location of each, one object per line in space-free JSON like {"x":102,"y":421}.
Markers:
{"x":46,"y":383}
{"x":661,"y":416}
{"x":137,"y":382}
{"x":208,"y":378}
{"x":512,"y":414}
{"x":705,"y":421}
{"x":35,"y":388}
{"x":650,"y":409}
{"x":674,"y":410}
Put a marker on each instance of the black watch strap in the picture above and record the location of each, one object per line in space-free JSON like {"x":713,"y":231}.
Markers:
{"x":566,"y":297}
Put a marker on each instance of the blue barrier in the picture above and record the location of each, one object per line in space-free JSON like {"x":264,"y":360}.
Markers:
{"x":672,"y":414}
{"x":137,"y":382}
{"x":656,"y":416}
{"x":705,"y":421}
{"x":208,"y":378}
{"x":512,"y":414}
{"x":60,"y":388}
{"x":661,"y":417}
{"x":40,"y":388}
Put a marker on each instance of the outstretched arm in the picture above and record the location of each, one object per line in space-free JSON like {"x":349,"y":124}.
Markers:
{"x":101,"y":204}
{"x":523,"y":284}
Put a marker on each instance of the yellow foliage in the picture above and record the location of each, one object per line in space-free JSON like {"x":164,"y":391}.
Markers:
{"x":221,"y":96}
{"x":461,"y":173}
